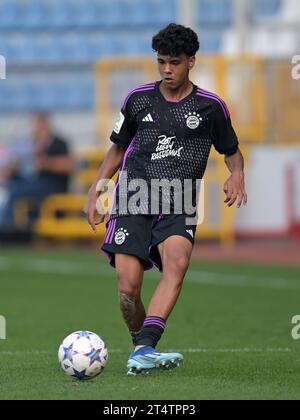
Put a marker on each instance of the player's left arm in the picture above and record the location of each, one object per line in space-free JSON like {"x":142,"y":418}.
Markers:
{"x":234,"y":187}
{"x":226,"y":143}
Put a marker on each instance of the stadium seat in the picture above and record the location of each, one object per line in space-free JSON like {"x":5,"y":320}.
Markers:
{"x":262,"y":9}
{"x":61,"y":14}
{"x":11,"y":14}
{"x":211,"y":42}
{"x":67,"y":32}
{"x":72,"y":47}
{"x":61,"y":218}
{"x":131,"y":14}
{"x":8,"y":49}
{"x":89,"y":17}
{"x":36,"y":14}
{"x":60,"y":92}
{"x":7,"y":93}
{"x":215,"y":13}
{"x":158,"y":13}
{"x":94,"y":14}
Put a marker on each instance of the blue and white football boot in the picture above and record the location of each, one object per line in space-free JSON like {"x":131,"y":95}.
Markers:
{"x":147,"y":360}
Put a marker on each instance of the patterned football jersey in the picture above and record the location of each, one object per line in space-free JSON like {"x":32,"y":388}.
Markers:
{"x":167,"y":142}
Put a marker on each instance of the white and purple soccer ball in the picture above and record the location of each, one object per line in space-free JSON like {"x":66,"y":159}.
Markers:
{"x":83,"y":355}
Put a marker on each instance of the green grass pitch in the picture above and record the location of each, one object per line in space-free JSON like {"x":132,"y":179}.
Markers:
{"x":232,"y":323}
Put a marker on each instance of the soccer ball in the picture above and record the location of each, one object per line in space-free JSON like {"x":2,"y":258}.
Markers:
{"x":83,"y":355}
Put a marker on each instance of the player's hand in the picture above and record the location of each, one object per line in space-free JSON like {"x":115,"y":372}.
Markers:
{"x":234,"y":188}
{"x":91,"y":210}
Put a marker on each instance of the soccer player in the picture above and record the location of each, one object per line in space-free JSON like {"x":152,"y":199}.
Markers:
{"x":165,"y":132}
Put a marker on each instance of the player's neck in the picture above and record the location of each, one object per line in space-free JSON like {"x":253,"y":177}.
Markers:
{"x":177,"y":94}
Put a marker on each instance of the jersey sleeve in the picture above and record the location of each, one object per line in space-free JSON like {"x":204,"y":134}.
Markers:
{"x":124,"y":129}
{"x":224,"y":137}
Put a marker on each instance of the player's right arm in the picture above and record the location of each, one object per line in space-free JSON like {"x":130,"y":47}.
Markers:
{"x":111,"y":164}
{"x":122,"y":136}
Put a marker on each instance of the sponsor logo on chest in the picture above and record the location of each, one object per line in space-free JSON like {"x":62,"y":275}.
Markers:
{"x":165,"y":148}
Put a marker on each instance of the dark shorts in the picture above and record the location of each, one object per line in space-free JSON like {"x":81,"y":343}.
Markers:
{"x":140,"y":235}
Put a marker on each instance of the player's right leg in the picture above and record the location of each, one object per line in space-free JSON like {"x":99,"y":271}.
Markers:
{"x":127,"y":244}
{"x":130,"y":271}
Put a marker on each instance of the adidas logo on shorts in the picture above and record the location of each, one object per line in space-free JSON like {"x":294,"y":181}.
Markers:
{"x":190,"y":232}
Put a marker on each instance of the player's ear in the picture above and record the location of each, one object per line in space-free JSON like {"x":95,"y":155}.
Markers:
{"x":192,"y":62}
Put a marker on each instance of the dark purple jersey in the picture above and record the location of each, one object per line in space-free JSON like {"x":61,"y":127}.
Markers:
{"x":168,"y":141}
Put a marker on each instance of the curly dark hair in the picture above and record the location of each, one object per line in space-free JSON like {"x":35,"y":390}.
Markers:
{"x":175,"y":40}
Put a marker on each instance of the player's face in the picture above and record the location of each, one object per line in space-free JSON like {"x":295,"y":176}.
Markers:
{"x":175,"y":70}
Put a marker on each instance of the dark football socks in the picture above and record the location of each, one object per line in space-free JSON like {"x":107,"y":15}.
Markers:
{"x":134,"y":336}
{"x":151,"y":331}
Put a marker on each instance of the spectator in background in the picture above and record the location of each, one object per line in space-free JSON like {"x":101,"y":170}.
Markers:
{"x":42,"y":169}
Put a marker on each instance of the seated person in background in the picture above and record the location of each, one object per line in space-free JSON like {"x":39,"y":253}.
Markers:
{"x":42,"y":169}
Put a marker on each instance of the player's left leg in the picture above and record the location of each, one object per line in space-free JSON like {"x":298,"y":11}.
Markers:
{"x":175,"y":254}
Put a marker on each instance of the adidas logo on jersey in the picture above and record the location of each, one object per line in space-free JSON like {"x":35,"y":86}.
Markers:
{"x":148,"y":118}
{"x":190,"y":232}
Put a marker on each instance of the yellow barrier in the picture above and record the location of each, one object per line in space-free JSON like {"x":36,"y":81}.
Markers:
{"x":72,"y":226}
{"x":22,"y":210}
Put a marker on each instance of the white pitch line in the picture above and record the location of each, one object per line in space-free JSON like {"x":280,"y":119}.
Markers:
{"x":43,"y":352}
{"x":72,"y":268}
{"x":41,"y":265}
{"x":219,"y":279}
{"x":189,"y":350}
{"x":233,"y":350}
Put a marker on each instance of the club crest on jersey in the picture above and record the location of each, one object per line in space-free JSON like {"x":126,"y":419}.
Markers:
{"x":193,"y":120}
{"x":121,"y":236}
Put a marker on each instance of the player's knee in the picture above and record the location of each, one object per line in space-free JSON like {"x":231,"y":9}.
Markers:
{"x":128,"y":291}
{"x":178,"y":263}
{"x":126,"y":286}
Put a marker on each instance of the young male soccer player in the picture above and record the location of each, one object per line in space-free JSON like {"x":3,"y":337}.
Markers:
{"x":165,"y":132}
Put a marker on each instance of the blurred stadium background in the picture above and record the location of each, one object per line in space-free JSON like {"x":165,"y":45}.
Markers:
{"x":76,"y":60}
